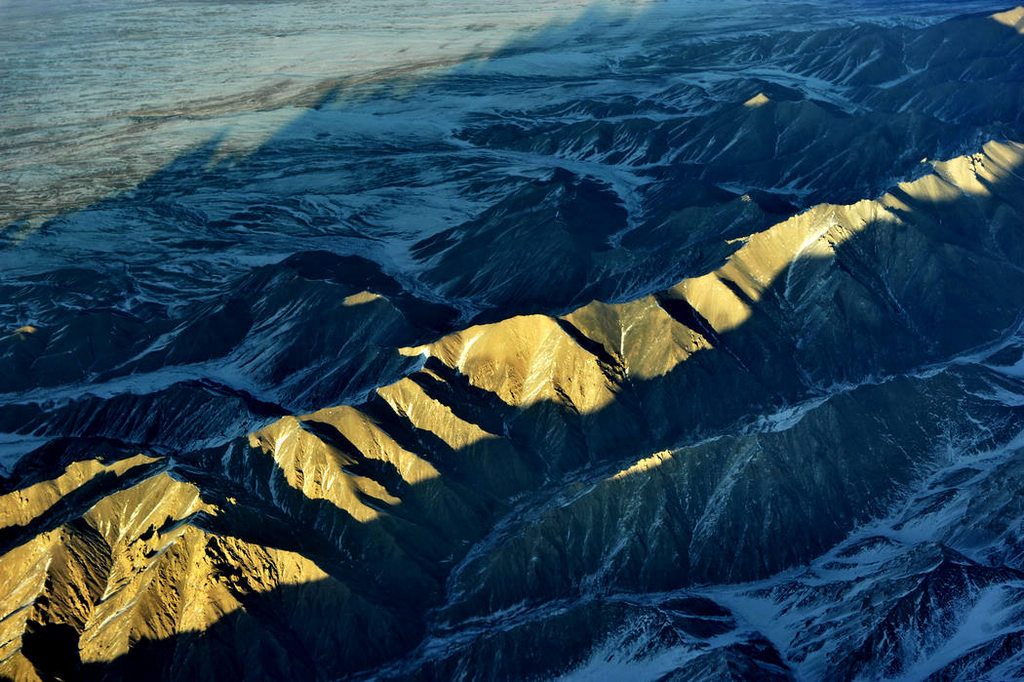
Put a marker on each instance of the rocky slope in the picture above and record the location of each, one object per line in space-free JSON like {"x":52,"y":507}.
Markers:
{"x":664,"y":405}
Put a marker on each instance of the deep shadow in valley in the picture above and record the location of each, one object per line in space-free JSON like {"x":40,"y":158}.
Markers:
{"x":892,"y":298}
{"x":224,"y":261}
{"x":925,"y":289}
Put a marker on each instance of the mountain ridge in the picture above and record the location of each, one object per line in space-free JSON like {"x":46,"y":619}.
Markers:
{"x":325,"y":466}
{"x":346,"y":457}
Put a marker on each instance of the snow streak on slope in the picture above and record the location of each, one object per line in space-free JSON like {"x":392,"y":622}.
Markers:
{"x":654,"y":344}
{"x":931,"y":590}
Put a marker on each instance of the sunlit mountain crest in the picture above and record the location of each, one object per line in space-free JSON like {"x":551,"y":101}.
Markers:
{"x":636,"y":349}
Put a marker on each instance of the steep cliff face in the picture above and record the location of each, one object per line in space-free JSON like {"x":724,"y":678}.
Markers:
{"x":792,"y":453}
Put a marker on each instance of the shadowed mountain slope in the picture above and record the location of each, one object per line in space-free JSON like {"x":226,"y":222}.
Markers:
{"x":486,"y":480}
{"x":780,"y":444}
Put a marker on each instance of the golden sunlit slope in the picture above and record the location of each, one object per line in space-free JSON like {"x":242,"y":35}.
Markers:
{"x":147,"y":562}
{"x":1014,"y":18}
{"x":527,"y":359}
{"x":319,"y":544}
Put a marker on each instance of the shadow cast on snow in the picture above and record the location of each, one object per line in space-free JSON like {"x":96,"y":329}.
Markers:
{"x":951,"y":295}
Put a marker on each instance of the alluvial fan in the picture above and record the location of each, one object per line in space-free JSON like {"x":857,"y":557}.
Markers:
{"x":663,"y":343}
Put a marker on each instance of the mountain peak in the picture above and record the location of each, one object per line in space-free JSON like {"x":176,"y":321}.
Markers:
{"x":758,"y":100}
{"x":1014,"y":18}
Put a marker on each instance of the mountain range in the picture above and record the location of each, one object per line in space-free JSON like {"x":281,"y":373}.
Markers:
{"x":690,"y":357}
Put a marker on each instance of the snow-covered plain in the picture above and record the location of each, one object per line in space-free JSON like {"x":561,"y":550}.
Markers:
{"x":99,"y":94}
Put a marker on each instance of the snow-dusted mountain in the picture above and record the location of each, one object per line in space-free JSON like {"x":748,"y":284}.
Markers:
{"x":662,"y":341}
